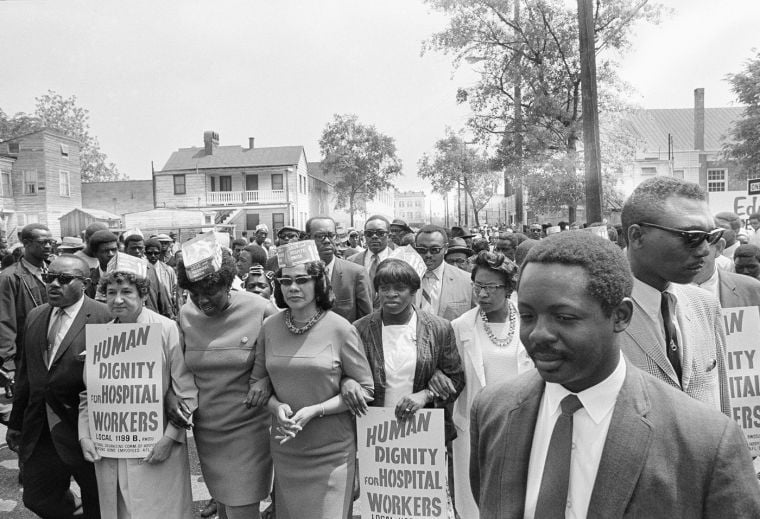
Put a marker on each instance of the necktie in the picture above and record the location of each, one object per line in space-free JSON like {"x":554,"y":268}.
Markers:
{"x":552,"y":496}
{"x":427,"y":298}
{"x":671,"y":340}
{"x":373,"y":267}
{"x":55,"y":327}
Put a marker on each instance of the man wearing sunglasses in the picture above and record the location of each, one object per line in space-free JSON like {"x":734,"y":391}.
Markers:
{"x":446,"y":290}
{"x":377,"y":238}
{"x":676,"y":333}
{"x":43,"y":424}
{"x":21,"y":290}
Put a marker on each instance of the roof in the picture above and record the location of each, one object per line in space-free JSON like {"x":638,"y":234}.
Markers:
{"x":651,"y":127}
{"x":97,"y":213}
{"x":233,"y":157}
{"x":51,"y":131}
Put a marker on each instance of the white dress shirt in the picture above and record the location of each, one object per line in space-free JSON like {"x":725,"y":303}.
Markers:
{"x":650,"y":299}
{"x":69,"y":314}
{"x":711,"y":284}
{"x":431,"y":283}
{"x":590,"y":426}
{"x":383,"y":254}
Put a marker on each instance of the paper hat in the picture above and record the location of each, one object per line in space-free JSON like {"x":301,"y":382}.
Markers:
{"x":202,"y":256}
{"x":128,"y":265}
{"x":297,"y":253}
{"x":410,"y":256}
{"x":262,"y":227}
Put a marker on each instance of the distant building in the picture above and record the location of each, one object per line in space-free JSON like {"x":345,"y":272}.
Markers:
{"x":123,"y":196}
{"x":254,"y":185}
{"x":40,"y":180}
{"x":412,"y":207}
{"x":76,"y":221}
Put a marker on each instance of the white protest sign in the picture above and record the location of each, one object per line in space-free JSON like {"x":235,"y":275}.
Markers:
{"x":402,"y":465}
{"x":125,"y":403}
{"x":743,"y":367}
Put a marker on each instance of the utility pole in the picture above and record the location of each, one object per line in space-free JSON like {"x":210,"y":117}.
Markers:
{"x":518,"y":137}
{"x":590,"y":114}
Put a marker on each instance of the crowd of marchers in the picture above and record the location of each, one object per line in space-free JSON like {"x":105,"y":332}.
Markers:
{"x":582,"y":372}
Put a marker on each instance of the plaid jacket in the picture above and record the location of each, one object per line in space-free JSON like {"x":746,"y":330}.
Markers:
{"x":436,"y":349}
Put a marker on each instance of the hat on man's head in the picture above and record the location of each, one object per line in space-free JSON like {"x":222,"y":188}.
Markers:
{"x":262,"y":227}
{"x":288,"y":228}
{"x":162,"y":237}
{"x":458,"y":245}
{"x":459,"y":232}
{"x":71,"y":243}
{"x":398,"y":222}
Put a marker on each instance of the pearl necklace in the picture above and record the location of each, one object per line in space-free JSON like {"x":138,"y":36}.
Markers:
{"x":295,"y":329}
{"x":511,"y":319}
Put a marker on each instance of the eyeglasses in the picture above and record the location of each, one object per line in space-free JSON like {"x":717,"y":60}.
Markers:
{"x":63,"y":279}
{"x":375,"y":232}
{"x":300,"y":280}
{"x":289,"y":236}
{"x":488,"y":288}
{"x":424,"y":250}
{"x":44,"y":242}
{"x":693,"y":239}
{"x":320,"y":236}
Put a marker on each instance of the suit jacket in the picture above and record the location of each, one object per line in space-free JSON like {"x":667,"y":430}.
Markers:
{"x":737,"y":290}
{"x":436,"y":349}
{"x":359,"y":260}
{"x":456,"y":293}
{"x":59,"y":387}
{"x":351,"y":286}
{"x":704,"y":354}
{"x":20,"y":292}
{"x":665,"y":455}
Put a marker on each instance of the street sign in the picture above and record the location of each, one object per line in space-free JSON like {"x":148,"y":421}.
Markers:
{"x":753,"y":187}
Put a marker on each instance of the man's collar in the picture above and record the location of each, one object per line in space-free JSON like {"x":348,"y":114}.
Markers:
{"x":30,"y":267}
{"x":649,"y":297}
{"x":438,"y":271}
{"x":73,"y":308}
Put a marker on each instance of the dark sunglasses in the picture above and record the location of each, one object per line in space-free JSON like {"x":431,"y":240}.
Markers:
{"x":693,"y":239}
{"x":300,"y":280}
{"x":424,"y":250}
{"x":320,"y":236}
{"x":63,"y":279}
{"x":372,"y":233}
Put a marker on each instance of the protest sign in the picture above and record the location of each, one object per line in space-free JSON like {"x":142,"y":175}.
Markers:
{"x":742,"y":340}
{"x":402,"y":465}
{"x":124,"y":388}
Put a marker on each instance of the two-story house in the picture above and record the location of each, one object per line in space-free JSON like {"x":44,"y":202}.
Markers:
{"x":247,"y":186}
{"x":40,"y":180}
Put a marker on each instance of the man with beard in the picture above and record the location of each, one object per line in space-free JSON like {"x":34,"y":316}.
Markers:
{"x":349,"y":281}
{"x":676,"y":333}
{"x":21,"y":290}
{"x":43,"y":426}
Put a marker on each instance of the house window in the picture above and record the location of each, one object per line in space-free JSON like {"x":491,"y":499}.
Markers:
{"x":13,"y":147}
{"x":716,"y":180}
{"x":29,"y":177}
{"x":648,"y":171}
{"x":225,"y":183}
{"x":64,"y":150}
{"x":64,"y":183}
{"x":277,"y":182}
{"x":5,"y":184}
{"x":179,"y":185}
{"x":678,"y":173}
{"x":278,"y":221}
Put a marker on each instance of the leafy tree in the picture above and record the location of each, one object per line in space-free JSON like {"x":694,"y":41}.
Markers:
{"x":454,"y":164}
{"x":744,"y":137}
{"x":527,"y":102}
{"x":63,"y":114}
{"x":362,"y":160}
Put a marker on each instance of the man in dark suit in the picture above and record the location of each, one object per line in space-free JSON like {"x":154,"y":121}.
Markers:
{"x":43,"y":424}
{"x":350,"y":282}
{"x":587,"y":434}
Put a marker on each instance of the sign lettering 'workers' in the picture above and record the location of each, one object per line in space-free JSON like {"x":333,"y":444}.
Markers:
{"x":124,"y":388}
{"x":402,"y":465}
{"x":742,"y":341}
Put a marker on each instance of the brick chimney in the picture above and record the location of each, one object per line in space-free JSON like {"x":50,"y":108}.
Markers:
{"x":210,"y":141}
{"x":251,"y":140}
{"x":699,"y":118}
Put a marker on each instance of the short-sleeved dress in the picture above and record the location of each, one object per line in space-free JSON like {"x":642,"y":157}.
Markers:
{"x":232,"y":440}
{"x":315,"y":470}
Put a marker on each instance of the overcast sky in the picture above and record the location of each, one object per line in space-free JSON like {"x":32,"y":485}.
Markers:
{"x":156,"y":74}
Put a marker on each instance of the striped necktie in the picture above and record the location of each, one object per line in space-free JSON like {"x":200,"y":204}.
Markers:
{"x":56,"y":322}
